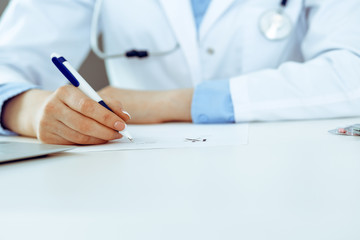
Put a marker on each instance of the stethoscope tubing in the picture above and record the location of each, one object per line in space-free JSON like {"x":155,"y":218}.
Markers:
{"x":94,"y":43}
{"x":133,"y":53}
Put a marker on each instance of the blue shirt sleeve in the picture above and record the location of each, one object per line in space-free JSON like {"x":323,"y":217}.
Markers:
{"x":212,"y":103}
{"x":8,"y":91}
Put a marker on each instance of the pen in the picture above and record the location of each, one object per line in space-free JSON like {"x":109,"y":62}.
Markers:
{"x":78,"y":81}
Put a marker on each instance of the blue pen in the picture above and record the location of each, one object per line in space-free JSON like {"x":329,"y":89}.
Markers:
{"x":78,"y":81}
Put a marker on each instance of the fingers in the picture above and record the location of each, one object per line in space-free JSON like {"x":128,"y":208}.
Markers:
{"x":79,"y":102}
{"x":70,"y":135}
{"x":55,"y":139}
{"x":118,"y":109}
{"x":59,"y":133}
{"x":70,"y":117}
{"x":87,"y":126}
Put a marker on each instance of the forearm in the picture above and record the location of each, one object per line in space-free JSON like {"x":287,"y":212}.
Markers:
{"x":19,"y":113}
{"x":153,"y":106}
{"x":176,"y":106}
{"x":325,"y":87}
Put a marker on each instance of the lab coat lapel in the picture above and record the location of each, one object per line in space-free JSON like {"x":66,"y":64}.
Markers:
{"x":180,"y":16}
{"x":216,"y":9}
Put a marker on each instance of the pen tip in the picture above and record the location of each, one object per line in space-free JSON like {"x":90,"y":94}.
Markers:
{"x":131,"y":139}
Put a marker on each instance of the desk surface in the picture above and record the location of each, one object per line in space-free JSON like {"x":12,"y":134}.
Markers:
{"x":293,"y":180}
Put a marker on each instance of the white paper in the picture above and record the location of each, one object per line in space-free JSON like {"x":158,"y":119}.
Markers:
{"x":176,"y":135}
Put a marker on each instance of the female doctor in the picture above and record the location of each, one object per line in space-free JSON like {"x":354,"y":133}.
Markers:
{"x":204,"y":61}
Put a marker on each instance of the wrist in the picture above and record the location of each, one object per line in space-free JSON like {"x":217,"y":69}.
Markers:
{"x":176,"y":106}
{"x":19,"y":113}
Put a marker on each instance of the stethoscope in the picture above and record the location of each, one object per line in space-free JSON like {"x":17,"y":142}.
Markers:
{"x":274,"y":24}
{"x":133,"y":53}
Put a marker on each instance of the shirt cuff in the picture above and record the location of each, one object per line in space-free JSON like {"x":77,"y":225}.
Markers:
{"x":8,"y":91}
{"x":212,"y":103}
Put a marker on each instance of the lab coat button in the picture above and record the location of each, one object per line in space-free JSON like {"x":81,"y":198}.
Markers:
{"x":203,"y":118}
{"x":210,"y":51}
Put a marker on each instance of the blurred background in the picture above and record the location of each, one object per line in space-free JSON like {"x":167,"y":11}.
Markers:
{"x":93,"y":69}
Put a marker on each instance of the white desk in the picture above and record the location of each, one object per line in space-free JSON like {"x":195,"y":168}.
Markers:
{"x":293,"y":181}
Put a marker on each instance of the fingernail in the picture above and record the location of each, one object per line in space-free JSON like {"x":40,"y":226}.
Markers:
{"x":119,"y":126}
{"x":125,"y":112}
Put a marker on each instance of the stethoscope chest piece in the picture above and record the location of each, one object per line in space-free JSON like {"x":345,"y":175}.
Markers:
{"x":275,"y":24}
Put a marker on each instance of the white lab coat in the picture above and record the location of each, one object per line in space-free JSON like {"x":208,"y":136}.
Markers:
{"x":314,"y":73}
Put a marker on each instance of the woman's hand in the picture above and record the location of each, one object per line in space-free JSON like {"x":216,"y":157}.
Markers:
{"x":66,"y":116}
{"x":153,"y":106}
